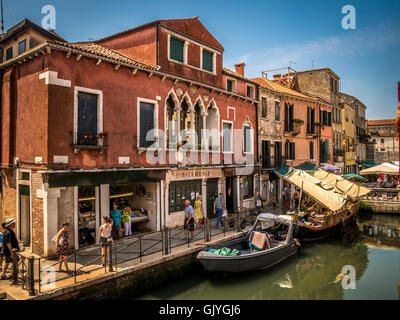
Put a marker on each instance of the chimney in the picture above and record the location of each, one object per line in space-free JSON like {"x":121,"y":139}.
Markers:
{"x":239,"y":68}
{"x":277,"y":76}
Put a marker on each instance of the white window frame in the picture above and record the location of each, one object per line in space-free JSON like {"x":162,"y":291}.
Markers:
{"x":185,"y":52}
{"x":99,"y":93}
{"x":234,"y":84}
{"x":253,"y":90}
{"x":155,"y":103}
{"x":231,"y":136}
{"x":251,"y":138}
{"x":26,"y":183}
{"x":228,"y":112}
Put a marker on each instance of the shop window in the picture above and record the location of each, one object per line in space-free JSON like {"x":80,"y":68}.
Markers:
{"x":87,"y":118}
{"x":9,"y":53}
{"x":277,"y":111}
{"x":176,"y":49}
{"x":264,"y":107}
{"x":146,"y":124}
{"x":180,"y":191}
{"x":22,"y":46}
{"x":227,"y":137}
{"x":207,"y":61}
{"x":247,"y":184}
{"x":86,"y":215}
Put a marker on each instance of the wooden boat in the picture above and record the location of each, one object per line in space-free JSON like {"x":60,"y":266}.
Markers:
{"x":329,"y":201}
{"x":306,"y":233}
{"x":280,"y":245}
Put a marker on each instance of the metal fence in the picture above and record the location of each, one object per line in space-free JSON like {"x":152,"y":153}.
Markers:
{"x":33,"y":273}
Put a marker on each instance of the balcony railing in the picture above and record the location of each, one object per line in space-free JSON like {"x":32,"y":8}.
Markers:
{"x":89,"y":141}
{"x":313,"y":131}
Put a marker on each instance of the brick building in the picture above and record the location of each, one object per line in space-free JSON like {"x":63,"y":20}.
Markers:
{"x":134,"y":118}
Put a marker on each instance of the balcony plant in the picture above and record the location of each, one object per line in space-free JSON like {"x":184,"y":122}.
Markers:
{"x":319,"y":124}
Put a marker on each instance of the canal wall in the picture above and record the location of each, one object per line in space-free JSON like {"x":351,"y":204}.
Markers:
{"x":137,"y":279}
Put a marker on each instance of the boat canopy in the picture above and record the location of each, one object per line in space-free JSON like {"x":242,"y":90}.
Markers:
{"x":325,"y":194}
{"x":350,"y":188}
{"x":273,"y":217}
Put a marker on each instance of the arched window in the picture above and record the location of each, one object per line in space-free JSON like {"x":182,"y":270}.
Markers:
{"x":184,"y":122}
{"x":212,"y":125}
{"x":172,"y":123}
{"x":198,"y":123}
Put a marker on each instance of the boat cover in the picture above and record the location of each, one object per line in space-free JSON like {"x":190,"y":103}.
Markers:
{"x":327,"y":195}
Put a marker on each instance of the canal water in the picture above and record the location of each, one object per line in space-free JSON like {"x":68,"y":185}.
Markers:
{"x":314,"y":273}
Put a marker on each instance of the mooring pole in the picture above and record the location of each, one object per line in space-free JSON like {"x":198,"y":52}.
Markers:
{"x":31,"y":279}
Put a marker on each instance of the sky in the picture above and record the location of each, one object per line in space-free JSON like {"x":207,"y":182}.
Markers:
{"x":265,"y":34}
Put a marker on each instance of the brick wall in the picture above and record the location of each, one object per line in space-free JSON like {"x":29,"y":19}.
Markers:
{"x":8,"y":201}
{"x":37,"y":214}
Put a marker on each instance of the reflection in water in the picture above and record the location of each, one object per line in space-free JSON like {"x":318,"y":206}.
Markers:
{"x":314,"y":273}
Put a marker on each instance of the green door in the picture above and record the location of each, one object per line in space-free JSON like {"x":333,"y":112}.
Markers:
{"x":212,"y":193}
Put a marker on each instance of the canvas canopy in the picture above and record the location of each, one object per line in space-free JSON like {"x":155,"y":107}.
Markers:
{"x":326,"y":195}
{"x":384,"y":168}
{"x":344,"y":185}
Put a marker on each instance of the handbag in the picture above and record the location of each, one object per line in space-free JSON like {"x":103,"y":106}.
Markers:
{"x":225,"y":213}
{"x":61,"y":240}
{"x":202,"y":221}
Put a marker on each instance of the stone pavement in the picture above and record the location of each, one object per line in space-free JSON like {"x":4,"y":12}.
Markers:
{"x":127,"y":256}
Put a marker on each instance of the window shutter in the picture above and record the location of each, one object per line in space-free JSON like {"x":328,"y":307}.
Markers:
{"x":329,"y":118}
{"x":207,"y":60}
{"x":176,"y":49}
{"x":286,"y":117}
{"x":264,"y":107}
{"x":146,"y":124}
{"x":291,"y":117}
{"x":87,"y":118}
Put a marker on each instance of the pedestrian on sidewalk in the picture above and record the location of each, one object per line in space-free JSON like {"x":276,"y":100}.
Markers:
{"x":63,"y":247}
{"x":198,"y":209}
{"x":189,"y":220}
{"x":126,"y":219}
{"x":105,"y":237}
{"x":115,"y":216}
{"x":10,"y":245}
{"x":219,"y":206}
{"x":257,"y":201}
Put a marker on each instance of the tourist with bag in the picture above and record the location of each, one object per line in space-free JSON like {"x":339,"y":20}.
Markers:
{"x":10,"y":245}
{"x":63,"y":248}
{"x":105,"y":237}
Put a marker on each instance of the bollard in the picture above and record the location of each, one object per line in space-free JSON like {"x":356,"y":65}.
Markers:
{"x":14,"y":268}
{"x":110,"y":267}
{"x":31,"y":279}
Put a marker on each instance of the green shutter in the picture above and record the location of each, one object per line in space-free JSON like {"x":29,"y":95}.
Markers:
{"x":207,"y":60}
{"x":176,"y":49}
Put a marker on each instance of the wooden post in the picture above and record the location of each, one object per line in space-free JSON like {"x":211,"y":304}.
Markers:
{"x":31,"y":279}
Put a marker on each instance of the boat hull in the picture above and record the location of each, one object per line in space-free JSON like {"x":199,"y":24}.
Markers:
{"x":308,"y":234}
{"x":246,"y":262}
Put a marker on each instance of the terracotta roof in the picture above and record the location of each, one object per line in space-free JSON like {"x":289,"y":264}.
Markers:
{"x":272,"y":85}
{"x":101,"y":51}
{"x":383,"y":122}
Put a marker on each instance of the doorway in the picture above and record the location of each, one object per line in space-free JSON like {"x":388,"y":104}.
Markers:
{"x":231,"y":204}
{"x":212,"y":193}
{"x":24,"y":215}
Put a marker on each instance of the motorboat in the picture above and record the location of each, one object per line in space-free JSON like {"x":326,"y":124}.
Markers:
{"x":269,"y":241}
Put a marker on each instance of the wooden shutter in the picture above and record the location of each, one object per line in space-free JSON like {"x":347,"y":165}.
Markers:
{"x":286,"y":117}
{"x":311,"y":150}
{"x":265,"y":153}
{"x":291,"y":117}
{"x":263,"y":107}
{"x":146,"y":124}
{"x":176,"y":49}
{"x":207,"y":60}
{"x":87,"y":118}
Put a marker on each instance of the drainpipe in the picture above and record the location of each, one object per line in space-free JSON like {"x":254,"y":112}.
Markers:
{"x":1,"y":110}
{"x":157,"y":36}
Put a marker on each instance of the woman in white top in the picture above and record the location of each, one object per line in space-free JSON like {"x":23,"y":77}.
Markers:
{"x":105,"y":237}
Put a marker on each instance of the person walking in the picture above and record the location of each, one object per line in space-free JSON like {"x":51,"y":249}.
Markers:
{"x":126,"y":220}
{"x":189,"y":220}
{"x":198,"y":209}
{"x":105,"y":237}
{"x":219,"y":206}
{"x":257,"y":202}
{"x":63,"y":246}
{"x":10,"y":245}
{"x":229,"y":201}
{"x":115,"y":216}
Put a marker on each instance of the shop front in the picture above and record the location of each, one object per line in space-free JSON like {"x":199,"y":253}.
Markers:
{"x":187,"y":184}
{"x":83,"y":198}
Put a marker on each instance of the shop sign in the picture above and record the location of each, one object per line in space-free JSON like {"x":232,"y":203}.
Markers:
{"x":195,"y":174}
